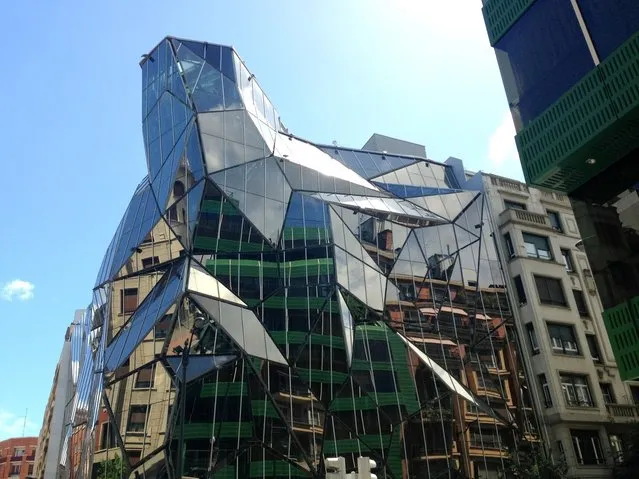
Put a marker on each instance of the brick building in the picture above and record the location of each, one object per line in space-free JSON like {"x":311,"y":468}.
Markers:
{"x":17,"y":456}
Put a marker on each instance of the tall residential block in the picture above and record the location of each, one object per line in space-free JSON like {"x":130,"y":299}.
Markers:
{"x":571,"y":73}
{"x":267,"y":303}
{"x":587,"y":411}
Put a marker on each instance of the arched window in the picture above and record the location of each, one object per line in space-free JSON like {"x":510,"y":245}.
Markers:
{"x":178,"y":189}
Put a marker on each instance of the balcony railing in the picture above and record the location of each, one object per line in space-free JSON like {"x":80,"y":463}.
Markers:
{"x":623,"y":410}
{"x":509,"y":184}
{"x":522,"y":216}
{"x":553,"y":196}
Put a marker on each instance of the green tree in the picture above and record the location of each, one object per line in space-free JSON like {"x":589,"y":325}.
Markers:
{"x":110,"y":469}
{"x":534,"y":464}
{"x":628,"y":461}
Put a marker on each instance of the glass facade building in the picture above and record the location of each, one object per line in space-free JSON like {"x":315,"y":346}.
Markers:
{"x":570,"y":71}
{"x":267,"y":303}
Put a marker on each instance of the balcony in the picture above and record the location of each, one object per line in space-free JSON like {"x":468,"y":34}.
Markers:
{"x":622,"y":412}
{"x":527,"y":218}
{"x":553,"y":197}
{"x":509,"y":185}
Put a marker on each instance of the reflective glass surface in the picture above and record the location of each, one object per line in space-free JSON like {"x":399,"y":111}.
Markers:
{"x":263,"y":306}
{"x":610,"y":23}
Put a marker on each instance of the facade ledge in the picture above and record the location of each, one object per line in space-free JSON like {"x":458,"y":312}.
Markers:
{"x":523,"y":217}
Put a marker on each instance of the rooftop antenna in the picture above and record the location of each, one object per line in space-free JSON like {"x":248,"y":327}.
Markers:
{"x":334,"y":142}
{"x":24,"y":424}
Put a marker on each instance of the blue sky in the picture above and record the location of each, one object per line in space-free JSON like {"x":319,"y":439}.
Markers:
{"x":72,"y":150}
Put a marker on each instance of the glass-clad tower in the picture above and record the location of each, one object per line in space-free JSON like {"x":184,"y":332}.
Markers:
{"x":571,"y":73}
{"x":267,"y":303}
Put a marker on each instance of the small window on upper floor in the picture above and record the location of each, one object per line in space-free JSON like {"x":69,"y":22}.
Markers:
{"x":562,"y":337}
{"x":532,"y":338}
{"x":537,"y":246}
{"x":178,"y":189}
{"x":510,"y":249}
{"x":521,"y":292}
{"x":593,"y":348}
{"x":150,"y":261}
{"x":555,"y":221}
{"x":580,"y":300}
{"x":514,"y":205}
{"x":565,"y":254}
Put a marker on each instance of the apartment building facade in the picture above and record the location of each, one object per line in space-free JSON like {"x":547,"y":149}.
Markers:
{"x":17,"y":456}
{"x":585,"y":407}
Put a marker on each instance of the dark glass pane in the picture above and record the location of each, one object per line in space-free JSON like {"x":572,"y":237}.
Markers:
{"x":541,"y":57}
{"x":610,"y":23}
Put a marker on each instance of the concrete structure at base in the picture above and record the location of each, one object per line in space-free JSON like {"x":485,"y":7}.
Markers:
{"x":17,"y":456}
{"x":574,"y":98}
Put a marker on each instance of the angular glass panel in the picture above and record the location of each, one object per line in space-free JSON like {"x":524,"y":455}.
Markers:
{"x":201,"y":282}
{"x":196,"y":366}
{"x":191,"y":66}
{"x":450,"y":382}
{"x":138,"y":220}
{"x":232,"y":99}
{"x":148,"y":313}
{"x":208,"y":94}
{"x":243,"y":327}
{"x":367,"y":164}
{"x":409,"y":191}
{"x":214,"y":56}
{"x":309,"y":156}
{"x":420,"y":174}
{"x":245,"y":185}
{"x":400,"y":211}
{"x":228,"y":67}
{"x":211,"y":123}
{"x":348,"y":327}
{"x":195,"y":47}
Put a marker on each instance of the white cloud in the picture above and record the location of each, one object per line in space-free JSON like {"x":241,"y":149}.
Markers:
{"x":12,"y":425}
{"x":502,"y":150}
{"x":18,"y":289}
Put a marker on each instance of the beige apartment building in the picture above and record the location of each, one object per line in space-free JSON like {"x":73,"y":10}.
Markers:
{"x":584,"y":406}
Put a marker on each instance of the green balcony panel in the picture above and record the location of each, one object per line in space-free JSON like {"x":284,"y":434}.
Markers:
{"x":276,"y":469}
{"x":203,"y":430}
{"x":597,"y":119}
{"x":223,"y":389}
{"x":622,"y":324}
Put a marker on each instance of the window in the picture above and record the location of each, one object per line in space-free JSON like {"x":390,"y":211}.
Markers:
{"x":148,"y":262}
{"x":555,"y":222}
{"x":134,"y":456}
{"x":565,"y":254}
{"x":107,"y":436}
{"x":521,"y":292}
{"x":537,"y":246}
{"x":545,"y":389}
{"x":15,"y":470}
{"x":30,"y":470}
{"x":616,"y":445}
{"x":550,"y":291}
{"x":581,"y":303}
{"x":514,"y":205}
{"x":144,"y":379}
{"x":607,"y":392}
{"x":148,"y":238}
{"x":576,"y":390}
{"x":162,"y":327}
{"x":128,"y":300}
{"x":560,"y":450}
{"x":532,"y":338}
{"x":178,"y":189}
{"x":634,"y":390}
{"x":591,"y":339}
{"x":510,"y":249}
{"x":563,"y":339}
{"x":18,"y":451}
{"x":137,"y":419}
{"x":587,"y":447}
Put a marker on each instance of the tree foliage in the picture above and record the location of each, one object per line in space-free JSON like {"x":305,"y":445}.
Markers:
{"x":110,"y":469}
{"x":535,"y":464}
